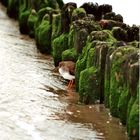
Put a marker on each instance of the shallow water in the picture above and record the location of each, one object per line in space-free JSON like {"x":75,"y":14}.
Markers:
{"x":34,"y":102}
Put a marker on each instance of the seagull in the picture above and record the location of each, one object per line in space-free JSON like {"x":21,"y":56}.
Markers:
{"x":67,"y":71}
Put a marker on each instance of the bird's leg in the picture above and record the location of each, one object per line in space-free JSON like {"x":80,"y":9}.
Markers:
{"x":69,"y":84}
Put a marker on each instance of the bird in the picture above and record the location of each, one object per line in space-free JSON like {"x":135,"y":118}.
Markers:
{"x":67,"y":71}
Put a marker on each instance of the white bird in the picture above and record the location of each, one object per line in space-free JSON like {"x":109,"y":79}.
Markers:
{"x":67,"y":71}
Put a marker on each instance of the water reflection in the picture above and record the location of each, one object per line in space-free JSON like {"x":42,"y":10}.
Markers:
{"x":34,"y":102}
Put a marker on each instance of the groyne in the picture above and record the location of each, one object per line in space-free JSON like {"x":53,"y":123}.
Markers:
{"x":105,"y":49}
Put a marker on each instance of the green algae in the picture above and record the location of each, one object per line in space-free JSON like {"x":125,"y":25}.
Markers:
{"x":40,"y":15}
{"x":44,"y":35}
{"x":24,"y":12}
{"x":13,"y":8}
{"x":88,"y":86}
{"x":104,"y":35}
{"x":31,"y":22}
{"x":56,"y":25}
{"x":90,"y":58}
{"x":78,"y":13}
{"x":92,"y":41}
{"x":71,"y":38}
{"x":134,"y":44}
{"x":59,"y":45}
{"x":133,"y":121}
{"x":123,"y":105}
{"x":81,"y":63}
{"x":117,"y":80}
{"x":70,"y":54}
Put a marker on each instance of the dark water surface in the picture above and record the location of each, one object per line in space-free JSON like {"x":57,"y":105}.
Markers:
{"x":34,"y":102}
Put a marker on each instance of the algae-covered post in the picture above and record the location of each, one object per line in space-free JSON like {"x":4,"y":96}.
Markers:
{"x":13,"y":10}
{"x":60,"y":43}
{"x":117,"y":81}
